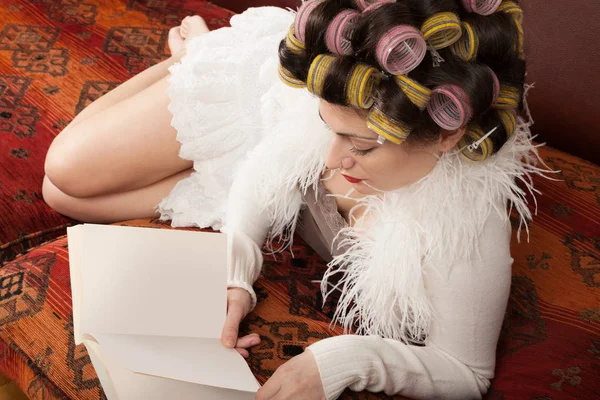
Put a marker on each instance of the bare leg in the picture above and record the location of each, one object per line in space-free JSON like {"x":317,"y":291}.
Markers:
{"x":125,"y":140}
{"x":124,"y":147}
{"x":138,"y":203}
{"x":128,"y":88}
{"x":190,"y":27}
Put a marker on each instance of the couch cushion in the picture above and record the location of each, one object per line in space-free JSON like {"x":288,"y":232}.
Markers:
{"x":37,"y":327}
{"x":549,"y":346}
{"x":550,"y":342}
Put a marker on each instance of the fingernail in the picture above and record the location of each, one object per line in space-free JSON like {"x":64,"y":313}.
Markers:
{"x":230,"y":342}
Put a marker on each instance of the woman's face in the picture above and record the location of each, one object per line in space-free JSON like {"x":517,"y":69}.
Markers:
{"x":368,"y":165}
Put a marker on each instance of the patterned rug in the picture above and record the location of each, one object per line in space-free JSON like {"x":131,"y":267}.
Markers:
{"x":57,"y":56}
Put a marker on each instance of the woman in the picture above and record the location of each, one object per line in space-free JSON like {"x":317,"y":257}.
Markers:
{"x":396,"y":163}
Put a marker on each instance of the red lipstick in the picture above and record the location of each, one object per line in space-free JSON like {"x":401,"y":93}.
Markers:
{"x":351,"y":179}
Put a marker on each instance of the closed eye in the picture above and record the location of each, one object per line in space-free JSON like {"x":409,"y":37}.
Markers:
{"x":359,"y":152}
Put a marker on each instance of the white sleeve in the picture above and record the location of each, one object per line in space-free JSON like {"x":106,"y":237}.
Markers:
{"x":458,"y":359}
{"x":250,"y":216}
{"x":247,"y":226}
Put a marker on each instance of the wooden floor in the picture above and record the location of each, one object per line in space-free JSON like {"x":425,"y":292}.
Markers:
{"x":10,"y":391}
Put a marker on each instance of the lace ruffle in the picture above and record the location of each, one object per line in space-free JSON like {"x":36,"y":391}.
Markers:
{"x":329,"y":209}
{"x":216,"y":95}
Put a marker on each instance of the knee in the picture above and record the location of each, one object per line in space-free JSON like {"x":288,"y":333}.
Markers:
{"x":62,"y":171}
{"x":72,"y":207}
{"x":56,"y":199}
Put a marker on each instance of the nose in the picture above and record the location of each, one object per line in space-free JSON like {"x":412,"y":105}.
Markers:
{"x":338,"y":155}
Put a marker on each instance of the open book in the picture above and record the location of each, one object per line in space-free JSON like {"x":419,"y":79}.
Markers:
{"x":149,"y":305}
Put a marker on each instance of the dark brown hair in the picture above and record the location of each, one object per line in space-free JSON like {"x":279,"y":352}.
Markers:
{"x":498,"y":50}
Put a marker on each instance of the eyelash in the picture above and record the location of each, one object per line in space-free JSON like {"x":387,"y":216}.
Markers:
{"x":354,"y":150}
{"x":360,"y":152}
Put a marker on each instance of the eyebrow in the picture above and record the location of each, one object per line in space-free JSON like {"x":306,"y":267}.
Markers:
{"x":354,"y":135}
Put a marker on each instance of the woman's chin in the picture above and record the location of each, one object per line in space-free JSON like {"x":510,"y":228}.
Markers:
{"x":362,"y":188}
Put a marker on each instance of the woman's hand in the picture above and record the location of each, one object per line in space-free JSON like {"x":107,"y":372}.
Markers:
{"x":296,"y":379}
{"x":238,"y":306}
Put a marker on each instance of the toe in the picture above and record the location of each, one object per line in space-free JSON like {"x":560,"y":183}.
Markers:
{"x":176,"y":43}
{"x":196,"y":20}
{"x":195,"y":26}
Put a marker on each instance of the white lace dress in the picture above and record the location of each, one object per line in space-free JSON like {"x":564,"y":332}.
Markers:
{"x":216,"y":92}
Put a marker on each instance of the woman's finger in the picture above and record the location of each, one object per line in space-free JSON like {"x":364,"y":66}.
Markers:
{"x":248,"y":341}
{"x":271,"y":388}
{"x":243,"y":352}
{"x":235,"y":314}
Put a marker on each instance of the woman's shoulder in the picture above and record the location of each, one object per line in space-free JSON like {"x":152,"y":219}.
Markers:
{"x":264,"y":12}
{"x":496,"y":235}
{"x":255,"y":32}
{"x":490,"y":259}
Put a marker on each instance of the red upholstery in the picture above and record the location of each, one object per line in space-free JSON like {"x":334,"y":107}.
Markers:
{"x":56,"y":56}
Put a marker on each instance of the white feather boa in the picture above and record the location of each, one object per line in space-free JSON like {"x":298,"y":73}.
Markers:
{"x":424,"y":228}
{"x":432,"y":222}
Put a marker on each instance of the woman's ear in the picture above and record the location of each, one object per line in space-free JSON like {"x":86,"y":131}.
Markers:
{"x":448,"y":139}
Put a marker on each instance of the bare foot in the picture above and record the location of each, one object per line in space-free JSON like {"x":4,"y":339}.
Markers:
{"x":176,"y":41}
{"x":192,"y":27}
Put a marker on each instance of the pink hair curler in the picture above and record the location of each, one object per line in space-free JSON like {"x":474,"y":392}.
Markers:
{"x":339,"y":31}
{"x":370,"y":6}
{"x":496,"y":88}
{"x":449,"y":107}
{"x":401,"y":49}
{"x":302,"y":17}
{"x":483,"y":7}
